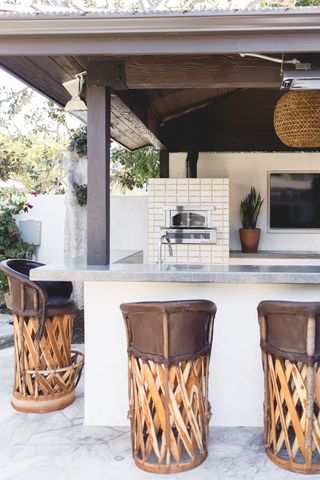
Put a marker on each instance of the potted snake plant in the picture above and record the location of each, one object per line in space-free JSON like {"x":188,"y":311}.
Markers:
{"x":250,"y":208}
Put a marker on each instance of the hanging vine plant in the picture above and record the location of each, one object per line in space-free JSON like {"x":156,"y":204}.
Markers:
{"x":80,"y":192}
{"x":78,"y":141}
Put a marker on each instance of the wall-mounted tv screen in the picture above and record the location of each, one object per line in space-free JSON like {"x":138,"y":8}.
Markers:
{"x":294,"y":200}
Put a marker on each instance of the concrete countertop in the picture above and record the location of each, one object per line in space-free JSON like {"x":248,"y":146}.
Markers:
{"x":275,"y":254}
{"x":78,"y":271}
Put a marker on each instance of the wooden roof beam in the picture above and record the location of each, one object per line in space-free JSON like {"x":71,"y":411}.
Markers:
{"x":131,"y":111}
{"x":176,"y":71}
{"x":134,"y":124}
{"x":201,"y":72}
{"x":214,"y":71}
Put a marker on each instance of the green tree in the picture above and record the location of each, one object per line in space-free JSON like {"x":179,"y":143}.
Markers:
{"x":133,"y":169}
{"x":37,"y":165}
{"x":129,"y":170}
{"x":285,"y":3}
{"x":10,"y":159}
{"x":33,"y":138}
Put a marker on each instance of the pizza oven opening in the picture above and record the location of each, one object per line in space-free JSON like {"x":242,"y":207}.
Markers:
{"x":189,"y":224}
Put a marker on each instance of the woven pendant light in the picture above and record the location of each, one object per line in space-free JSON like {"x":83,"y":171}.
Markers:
{"x":296,"y":119}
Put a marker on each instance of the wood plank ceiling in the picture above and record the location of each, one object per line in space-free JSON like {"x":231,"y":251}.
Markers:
{"x":208,"y":103}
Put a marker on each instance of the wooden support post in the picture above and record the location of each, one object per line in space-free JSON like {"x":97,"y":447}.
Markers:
{"x":98,"y":220}
{"x":191,"y":164}
{"x":164,"y":164}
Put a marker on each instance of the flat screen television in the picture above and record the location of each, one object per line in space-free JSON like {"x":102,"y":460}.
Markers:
{"x":294,"y":200}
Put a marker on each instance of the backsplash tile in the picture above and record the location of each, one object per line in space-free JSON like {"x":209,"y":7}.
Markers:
{"x":182,"y":191}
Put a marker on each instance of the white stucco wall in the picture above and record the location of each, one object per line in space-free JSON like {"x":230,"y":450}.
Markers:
{"x":129,"y":216}
{"x":50,"y":210}
{"x":236,"y":377}
{"x":129,"y":222}
{"x":251,"y":169}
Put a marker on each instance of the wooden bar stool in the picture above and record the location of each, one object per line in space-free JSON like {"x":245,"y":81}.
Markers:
{"x":46,"y":370}
{"x":169,"y":345}
{"x":290,"y":343}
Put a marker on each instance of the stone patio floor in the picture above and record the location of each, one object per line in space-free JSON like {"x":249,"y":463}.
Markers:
{"x":6,"y":330}
{"x":57,"y":446}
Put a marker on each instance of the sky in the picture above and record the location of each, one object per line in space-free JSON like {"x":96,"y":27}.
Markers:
{"x":38,"y":101}
{"x":9,"y":81}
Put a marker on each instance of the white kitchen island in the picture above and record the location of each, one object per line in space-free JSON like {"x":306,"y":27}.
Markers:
{"x":236,"y":380}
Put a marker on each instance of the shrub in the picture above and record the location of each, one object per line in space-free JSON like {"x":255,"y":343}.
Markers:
{"x":11,"y":243}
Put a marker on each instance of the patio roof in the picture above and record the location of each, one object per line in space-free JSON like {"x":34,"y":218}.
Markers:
{"x":51,"y":21}
{"x":173,"y":80}
{"x":175,"y":83}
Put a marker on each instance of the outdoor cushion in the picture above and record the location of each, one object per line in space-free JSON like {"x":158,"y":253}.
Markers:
{"x":60,"y":306}
{"x":57,"y":289}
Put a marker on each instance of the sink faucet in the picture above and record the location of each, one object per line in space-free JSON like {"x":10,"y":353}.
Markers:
{"x":164,"y":238}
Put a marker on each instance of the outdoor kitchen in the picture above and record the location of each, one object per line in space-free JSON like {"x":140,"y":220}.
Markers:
{"x":193,"y":214}
{"x":228,"y":161}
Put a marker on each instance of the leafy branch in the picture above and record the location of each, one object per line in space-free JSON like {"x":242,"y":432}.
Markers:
{"x":129,"y":170}
{"x":11,"y":243}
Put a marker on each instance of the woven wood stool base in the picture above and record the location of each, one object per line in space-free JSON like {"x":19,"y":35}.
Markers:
{"x":169,"y":414}
{"x":52,"y":389}
{"x":293,"y":466}
{"x":42,"y":405}
{"x":173,"y":468}
{"x":46,"y":370}
{"x":292,"y":400}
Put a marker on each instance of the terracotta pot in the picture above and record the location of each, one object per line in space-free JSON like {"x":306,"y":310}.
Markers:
{"x":249,"y":238}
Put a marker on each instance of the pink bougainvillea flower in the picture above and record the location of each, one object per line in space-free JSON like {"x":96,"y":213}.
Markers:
{"x":26,"y":206}
{"x":14,"y":234}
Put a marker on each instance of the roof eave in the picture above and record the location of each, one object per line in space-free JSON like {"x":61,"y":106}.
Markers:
{"x":307,"y":20}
